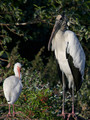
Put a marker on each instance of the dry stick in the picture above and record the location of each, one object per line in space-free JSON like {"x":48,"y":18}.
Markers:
{"x":4,"y":105}
{"x":13,"y":31}
{"x":8,"y":118}
{"x":86,"y":49}
{"x":2,"y":117}
{"x":1,"y":94}
{"x":17,"y":24}
{"x":7,"y":105}
{"x":2,"y":37}
{"x":3,"y":59}
{"x":22,"y":24}
{"x":1,"y":90}
{"x":24,"y":115}
{"x":5,"y":116}
{"x":26,"y":23}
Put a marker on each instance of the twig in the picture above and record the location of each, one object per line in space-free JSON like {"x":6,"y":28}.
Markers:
{"x":3,"y":105}
{"x":22,"y":24}
{"x":86,"y":49}
{"x":2,"y":117}
{"x":1,"y":94}
{"x":1,"y":91}
{"x":2,"y":37}
{"x":3,"y":59}
{"x":6,"y":12}
{"x":13,"y":31}
{"x":19,"y":112}
{"x":7,"y":105}
{"x":25,"y":23}
{"x":24,"y":115}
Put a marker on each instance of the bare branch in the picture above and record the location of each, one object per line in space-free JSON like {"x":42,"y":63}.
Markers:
{"x":3,"y":59}
{"x":2,"y":37}
{"x":18,"y":24}
{"x":3,"y":116}
{"x":22,"y":24}
{"x":25,"y":23}
{"x":13,"y":31}
{"x":23,"y":116}
{"x":86,"y":49}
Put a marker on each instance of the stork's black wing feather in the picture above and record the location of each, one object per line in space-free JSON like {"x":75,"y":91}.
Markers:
{"x":75,"y":72}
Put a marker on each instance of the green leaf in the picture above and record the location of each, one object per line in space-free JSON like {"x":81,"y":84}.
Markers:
{"x":1,"y":53}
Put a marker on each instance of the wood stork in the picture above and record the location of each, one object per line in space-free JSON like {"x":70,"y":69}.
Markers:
{"x":12,"y":87}
{"x":70,"y":57}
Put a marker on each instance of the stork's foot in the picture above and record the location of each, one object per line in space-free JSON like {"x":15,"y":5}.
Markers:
{"x":14,"y":113}
{"x":9,"y":114}
{"x":73,"y":115}
{"x":62,"y":115}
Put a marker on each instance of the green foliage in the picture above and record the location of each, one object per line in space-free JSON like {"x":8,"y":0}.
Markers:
{"x":50,"y":73}
{"x":38,"y":101}
{"x":38,"y":62}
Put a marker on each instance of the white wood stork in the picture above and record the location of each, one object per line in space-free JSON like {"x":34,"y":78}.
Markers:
{"x":12,"y":87}
{"x":70,"y":57}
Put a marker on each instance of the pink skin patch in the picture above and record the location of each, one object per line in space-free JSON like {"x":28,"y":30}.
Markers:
{"x":18,"y":68}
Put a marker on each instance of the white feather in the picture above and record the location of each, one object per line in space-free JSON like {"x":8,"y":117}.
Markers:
{"x":75,"y":50}
{"x":12,"y":87}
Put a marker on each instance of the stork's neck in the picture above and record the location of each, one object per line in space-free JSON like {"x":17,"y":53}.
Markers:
{"x":63,"y":28}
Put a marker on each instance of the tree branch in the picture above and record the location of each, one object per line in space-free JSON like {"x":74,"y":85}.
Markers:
{"x":22,"y":24}
{"x":2,"y":37}
{"x":3,"y":59}
{"x":86,"y":49}
{"x":19,"y":114}
{"x":13,"y":31}
{"x":25,"y":23}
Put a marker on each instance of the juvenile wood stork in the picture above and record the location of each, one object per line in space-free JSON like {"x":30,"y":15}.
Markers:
{"x":12,"y":87}
{"x":70,"y":57}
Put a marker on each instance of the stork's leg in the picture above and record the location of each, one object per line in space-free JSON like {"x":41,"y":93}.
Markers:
{"x":63,"y":113}
{"x":73,"y":101}
{"x":73,"y":113}
{"x":9,"y":113}
{"x":13,"y":111}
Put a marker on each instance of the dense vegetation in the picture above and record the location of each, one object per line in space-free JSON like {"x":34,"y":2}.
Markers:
{"x":25,"y":27}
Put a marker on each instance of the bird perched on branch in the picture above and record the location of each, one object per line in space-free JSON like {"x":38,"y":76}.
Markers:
{"x":12,"y":87}
{"x":70,"y":57}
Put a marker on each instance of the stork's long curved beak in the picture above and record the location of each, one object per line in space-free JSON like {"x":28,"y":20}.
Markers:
{"x":51,"y":37}
{"x":54,"y":31}
{"x":18,"y":68}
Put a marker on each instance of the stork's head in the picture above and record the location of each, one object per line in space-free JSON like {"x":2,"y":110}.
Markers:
{"x":17,"y":68}
{"x":60,"y":23}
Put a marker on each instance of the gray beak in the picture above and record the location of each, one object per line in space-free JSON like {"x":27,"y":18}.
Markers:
{"x":54,"y":31}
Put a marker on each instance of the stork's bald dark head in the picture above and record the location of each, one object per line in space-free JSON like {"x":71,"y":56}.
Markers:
{"x":58,"y":17}
{"x":61,"y":22}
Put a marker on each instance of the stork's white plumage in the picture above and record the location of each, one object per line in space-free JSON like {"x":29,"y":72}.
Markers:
{"x":12,"y":87}
{"x":70,"y":56}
